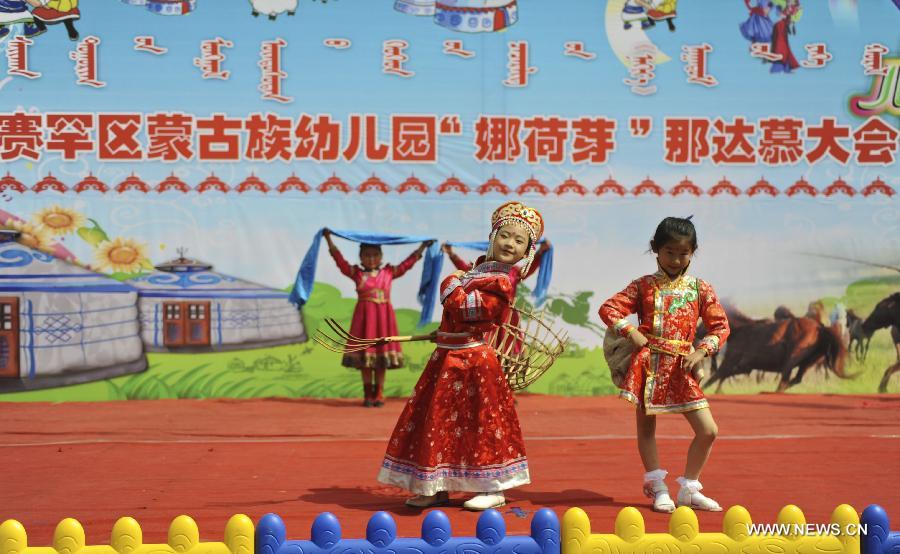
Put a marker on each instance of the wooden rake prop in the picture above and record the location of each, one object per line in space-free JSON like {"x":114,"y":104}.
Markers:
{"x":343,"y":342}
{"x":525,"y":344}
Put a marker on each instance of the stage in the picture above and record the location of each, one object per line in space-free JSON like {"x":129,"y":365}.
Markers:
{"x":210,"y":459}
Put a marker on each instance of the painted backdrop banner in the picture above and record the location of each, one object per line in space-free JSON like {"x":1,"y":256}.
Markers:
{"x":192,"y":149}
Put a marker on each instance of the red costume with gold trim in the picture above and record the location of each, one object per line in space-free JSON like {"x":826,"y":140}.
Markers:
{"x":459,"y":431}
{"x":668,"y":311}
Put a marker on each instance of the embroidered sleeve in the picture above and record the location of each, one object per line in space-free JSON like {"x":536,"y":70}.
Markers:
{"x":614,"y":311}
{"x":479,"y":304}
{"x":714,"y":319}
{"x":342,"y":264}
{"x":405,"y":265}
{"x":460,"y":263}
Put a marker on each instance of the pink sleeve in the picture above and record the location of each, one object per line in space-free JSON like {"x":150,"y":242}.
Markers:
{"x":342,"y":264}
{"x":460,"y":263}
{"x":405,"y":265}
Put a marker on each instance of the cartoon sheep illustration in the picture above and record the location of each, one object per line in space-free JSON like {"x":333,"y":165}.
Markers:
{"x":273,"y":8}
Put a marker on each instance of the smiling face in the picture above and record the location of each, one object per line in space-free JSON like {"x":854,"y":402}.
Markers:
{"x":510,"y":244}
{"x":674,"y":256}
{"x":370,"y":257}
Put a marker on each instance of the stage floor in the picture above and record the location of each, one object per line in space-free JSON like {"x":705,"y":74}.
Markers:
{"x":210,"y":459}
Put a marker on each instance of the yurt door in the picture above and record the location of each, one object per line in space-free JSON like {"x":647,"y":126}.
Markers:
{"x":186,"y":323}
{"x":197,"y":323}
{"x":173,"y":325}
{"x":9,"y":337}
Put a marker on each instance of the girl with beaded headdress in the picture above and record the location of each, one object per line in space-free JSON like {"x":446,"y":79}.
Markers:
{"x":665,"y":371}
{"x":459,"y":431}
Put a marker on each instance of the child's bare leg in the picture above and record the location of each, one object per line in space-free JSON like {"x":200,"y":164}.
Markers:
{"x":705,"y":431}
{"x":646,"y":438}
{"x":654,"y":479}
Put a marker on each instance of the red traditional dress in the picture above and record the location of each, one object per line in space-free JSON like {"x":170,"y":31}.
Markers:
{"x":459,"y":431}
{"x":780,"y":43}
{"x":515,"y":274}
{"x":668,"y":312}
{"x":515,"y":277}
{"x":374,"y":316}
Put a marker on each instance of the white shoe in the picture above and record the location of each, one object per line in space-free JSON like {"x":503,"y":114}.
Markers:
{"x":655,"y":488}
{"x":659,"y":492}
{"x":429,"y":501}
{"x":689,"y":495}
{"x":485,"y":501}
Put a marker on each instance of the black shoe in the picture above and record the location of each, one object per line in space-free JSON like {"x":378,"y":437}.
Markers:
{"x":378,"y":403}
{"x":367,"y":403}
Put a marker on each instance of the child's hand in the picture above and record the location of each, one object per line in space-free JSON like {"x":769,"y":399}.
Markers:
{"x":637,"y":338}
{"x":326,"y":232}
{"x":692,"y":363}
{"x":427,"y":243}
{"x":446,"y":248}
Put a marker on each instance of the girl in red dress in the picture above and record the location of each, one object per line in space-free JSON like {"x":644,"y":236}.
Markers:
{"x":515,"y":276}
{"x":665,"y":370}
{"x":373,"y":316}
{"x":459,"y":431}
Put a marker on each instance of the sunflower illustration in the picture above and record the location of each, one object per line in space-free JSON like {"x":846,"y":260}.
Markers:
{"x":59,"y":221}
{"x":121,"y":255}
{"x":32,"y":236}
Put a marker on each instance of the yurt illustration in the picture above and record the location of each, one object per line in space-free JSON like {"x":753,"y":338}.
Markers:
{"x":171,"y":7}
{"x":61,"y":324}
{"x":466,"y":16}
{"x":186,"y":306}
{"x":476,"y":16}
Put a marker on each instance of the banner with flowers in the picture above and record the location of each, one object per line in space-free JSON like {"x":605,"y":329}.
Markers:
{"x":189,"y":151}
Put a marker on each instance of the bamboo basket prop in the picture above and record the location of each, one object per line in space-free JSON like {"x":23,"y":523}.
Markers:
{"x":526,"y":350}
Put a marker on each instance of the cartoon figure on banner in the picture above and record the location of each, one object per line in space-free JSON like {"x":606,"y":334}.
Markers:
{"x":273,"y":8}
{"x":758,"y":27}
{"x":171,"y":7}
{"x":663,"y":10}
{"x":634,"y":11}
{"x":16,"y":11}
{"x":51,"y":12}
{"x":789,"y":13}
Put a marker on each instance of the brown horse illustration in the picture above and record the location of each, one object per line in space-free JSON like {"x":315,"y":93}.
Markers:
{"x":778,"y":346}
{"x":886,"y":314}
{"x":858,"y":336}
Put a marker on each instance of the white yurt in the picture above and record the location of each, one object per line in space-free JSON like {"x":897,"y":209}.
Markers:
{"x":186,"y":306}
{"x":61,"y":324}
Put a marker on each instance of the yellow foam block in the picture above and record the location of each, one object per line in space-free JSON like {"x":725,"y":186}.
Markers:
{"x":127,"y":538}
{"x":790,"y":535}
